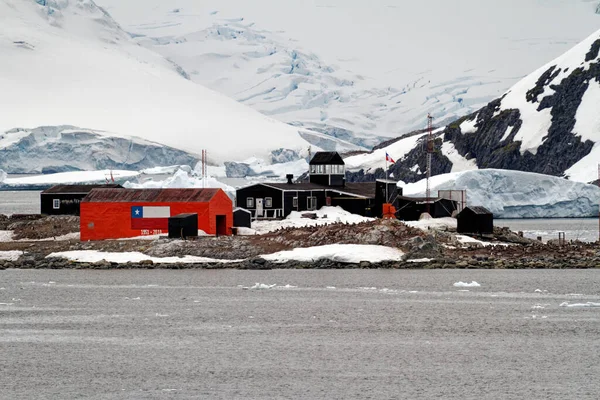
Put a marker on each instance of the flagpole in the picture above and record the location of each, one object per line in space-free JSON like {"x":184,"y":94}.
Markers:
{"x":386,"y":178}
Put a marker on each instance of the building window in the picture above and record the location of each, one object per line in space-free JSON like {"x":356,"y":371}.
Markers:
{"x":250,"y":202}
{"x":268,"y":202}
{"x":328,"y":169}
{"x":311,"y":203}
{"x":295,"y":202}
{"x":313,"y":169}
{"x":56,"y":204}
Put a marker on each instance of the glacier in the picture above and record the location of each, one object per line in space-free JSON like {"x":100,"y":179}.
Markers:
{"x":516,"y":194}
{"x":67,"y":148}
{"x":69,"y":63}
{"x":355,"y":69}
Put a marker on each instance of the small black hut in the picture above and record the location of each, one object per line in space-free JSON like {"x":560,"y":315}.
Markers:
{"x":242,"y":218}
{"x":475,"y":220}
{"x":65,"y":199}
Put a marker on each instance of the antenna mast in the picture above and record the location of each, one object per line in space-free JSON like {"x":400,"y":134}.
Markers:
{"x":429,"y":154}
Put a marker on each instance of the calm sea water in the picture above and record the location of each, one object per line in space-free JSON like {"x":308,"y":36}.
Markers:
{"x":358,"y":334}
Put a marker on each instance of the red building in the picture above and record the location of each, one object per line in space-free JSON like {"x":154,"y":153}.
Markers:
{"x":121,"y":213}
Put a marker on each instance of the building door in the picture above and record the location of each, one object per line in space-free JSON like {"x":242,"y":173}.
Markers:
{"x":259,"y":207}
{"x":221,"y":225}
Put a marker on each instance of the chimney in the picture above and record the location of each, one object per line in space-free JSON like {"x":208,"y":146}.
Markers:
{"x":290,"y":177}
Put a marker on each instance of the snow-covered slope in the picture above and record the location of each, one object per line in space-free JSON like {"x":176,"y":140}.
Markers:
{"x":67,"y":62}
{"x":549,"y":122}
{"x":354,"y":68}
{"x":516,"y":194}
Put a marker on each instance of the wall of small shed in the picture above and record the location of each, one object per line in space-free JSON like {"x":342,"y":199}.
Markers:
{"x":69,"y":203}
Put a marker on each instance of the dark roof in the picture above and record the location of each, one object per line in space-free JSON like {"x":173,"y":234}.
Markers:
{"x":240,"y":209}
{"x":421,"y":199}
{"x":363,"y":189}
{"x":150,"y":195}
{"x":478,"y":210}
{"x":295,"y":186}
{"x":327,"y":158}
{"x":78,"y":188}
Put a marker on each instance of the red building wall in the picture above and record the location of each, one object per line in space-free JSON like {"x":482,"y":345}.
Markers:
{"x":112,"y":220}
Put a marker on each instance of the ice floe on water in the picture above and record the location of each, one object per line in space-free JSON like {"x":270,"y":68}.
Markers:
{"x":466,"y":284}
{"x":260,"y":286}
{"x":589,"y":304}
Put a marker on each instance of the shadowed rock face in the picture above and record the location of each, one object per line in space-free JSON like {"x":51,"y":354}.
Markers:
{"x":559,"y":151}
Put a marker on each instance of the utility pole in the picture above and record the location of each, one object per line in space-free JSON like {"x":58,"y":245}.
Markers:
{"x":430,"y":148}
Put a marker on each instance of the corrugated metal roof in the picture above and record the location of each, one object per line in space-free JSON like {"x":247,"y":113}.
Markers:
{"x":150,"y":195}
{"x":478,"y":210}
{"x":327,"y":158}
{"x":78,"y":188}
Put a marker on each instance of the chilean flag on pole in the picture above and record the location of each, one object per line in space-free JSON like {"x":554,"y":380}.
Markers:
{"x":150,"y":217}
{"x":388,"y":158}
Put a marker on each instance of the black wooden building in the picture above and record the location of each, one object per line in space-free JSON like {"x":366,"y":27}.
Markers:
{"x":65,"y":199}
{"x":475,"y":220}
{"x":326,"y":186}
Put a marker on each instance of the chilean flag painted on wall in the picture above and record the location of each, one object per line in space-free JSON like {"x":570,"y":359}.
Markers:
{"x":150,"y":217}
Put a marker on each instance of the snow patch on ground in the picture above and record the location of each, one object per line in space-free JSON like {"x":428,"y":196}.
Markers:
{"x":433,"y":223}
{"x":467,"y":240}
{"x":91,"y":256}
{"x":325,"y":215}
{"x":12,"y":255}
{"x":350,"y":253}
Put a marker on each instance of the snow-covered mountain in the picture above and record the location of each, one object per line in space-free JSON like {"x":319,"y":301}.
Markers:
{"x":549,"y":122}
{"x":358,"y":70}
{"x":67,"y":62}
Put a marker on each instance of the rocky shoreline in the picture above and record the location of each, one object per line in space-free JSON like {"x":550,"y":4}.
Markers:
{"x":436,"y":249}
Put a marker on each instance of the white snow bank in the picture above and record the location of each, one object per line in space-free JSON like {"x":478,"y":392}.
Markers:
{"x":468,"y":239}
{"x":3,"y":176}
{"x":91,"y":256}
{"x":465,"y":284}
{"x":12,"y":255}
{"x":516,"y":194}
{"x":589,"y":304}
{"x":7,"y":236}
{"x":433,"y":223}
{"x":350,"y":253}
{"x":75,"y":177}
{"x":325,"y":215}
